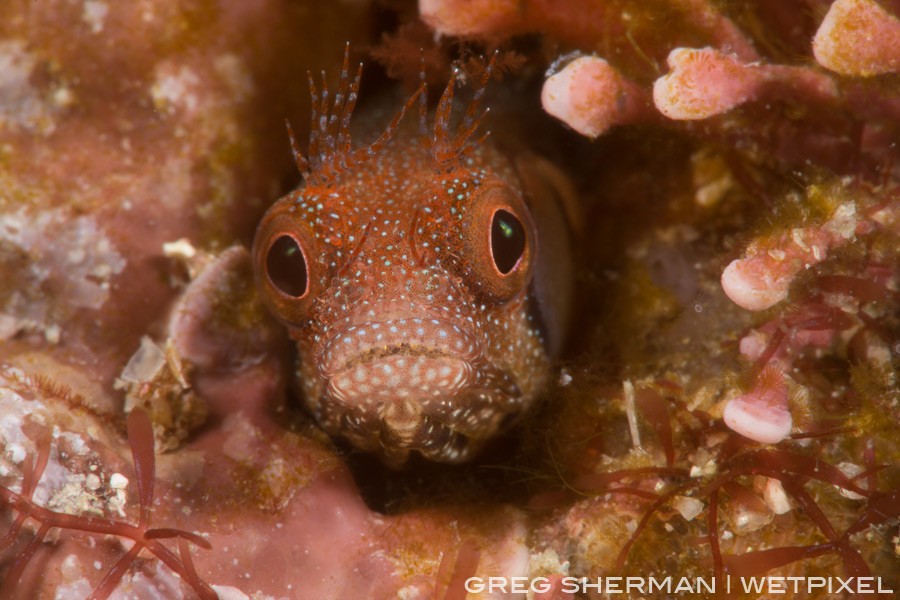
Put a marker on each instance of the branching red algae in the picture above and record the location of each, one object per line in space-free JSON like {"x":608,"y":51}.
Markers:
{"x":140,"y":437}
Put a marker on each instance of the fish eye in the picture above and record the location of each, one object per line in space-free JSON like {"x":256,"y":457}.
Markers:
{"x":507,"y":242}
{"x":286,"y":263}
{"x":286,"y":267}
{"x":498,"y":241}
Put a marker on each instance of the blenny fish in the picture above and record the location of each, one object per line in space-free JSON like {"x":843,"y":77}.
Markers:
{"x":425,"y":277}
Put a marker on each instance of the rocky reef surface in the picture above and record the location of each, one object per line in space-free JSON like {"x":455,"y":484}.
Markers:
{"x":728,"y":402}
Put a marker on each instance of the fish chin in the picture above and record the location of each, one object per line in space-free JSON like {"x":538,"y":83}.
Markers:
{"x":441,"y":406}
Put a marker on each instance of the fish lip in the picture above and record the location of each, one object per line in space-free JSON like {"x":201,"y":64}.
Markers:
{"x":397,"y":366}
{"x":446,"y":427}
{"x":371,"y":340}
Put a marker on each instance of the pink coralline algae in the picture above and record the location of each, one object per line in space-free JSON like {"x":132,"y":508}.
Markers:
{"x":727,"y":399}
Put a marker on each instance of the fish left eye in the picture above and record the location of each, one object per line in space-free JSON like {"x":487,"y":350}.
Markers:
{"x":286,"y":267}
{"x":508,"y":241}
{"x":285,"y":262}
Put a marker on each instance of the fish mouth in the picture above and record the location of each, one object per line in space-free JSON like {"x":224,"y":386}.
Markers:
{"x":401,"y":385}
{"x":417,"y":336}
{"x":441,"y":406}
{"x":400,"y":373}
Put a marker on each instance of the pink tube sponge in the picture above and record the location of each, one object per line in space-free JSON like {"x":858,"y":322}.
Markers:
{"x":761,"y":279}
{"x":703,"y":82}
{"x":762,"y":413}
{"x":858,"y":37}
{"x":706,"y":82}
{"x":469,"y":17}
{"x":590,"y":96}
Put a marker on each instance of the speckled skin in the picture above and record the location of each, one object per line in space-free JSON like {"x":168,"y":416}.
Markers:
{"x":409,"y":337}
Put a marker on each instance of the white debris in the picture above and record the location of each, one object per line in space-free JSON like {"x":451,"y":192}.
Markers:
{"x":145,"y":363}
{"x":226,"y":592}
{"x":75,"y":442}
{"x":851,"y":470}
{"x":175,"y":88}
{"x":156,"y":583}
{"x":21,"y":104}
{"x":9,"y":326}
{"x":16,"y":453}
{"x":94,"y":14}
{"x":631,"y":412}
{"x":776,"y":498}
{"x":118,"y":500}
{"x":180,"y":249}
{"x":844,"y":221}
{"x":14,"y":445}
{"x":63,"y":97}
{"x":242,"y":436}
{"x":78,"y":265}
{"x":117,"y":481}
{"x":51,"y":334}
{"x":79,"y":588}
{"x":70,"y":568}
{"x":688,"y":507}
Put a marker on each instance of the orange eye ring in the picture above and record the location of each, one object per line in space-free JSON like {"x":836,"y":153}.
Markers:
{"x":499,"y":235}
{"x":283,"y":262}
